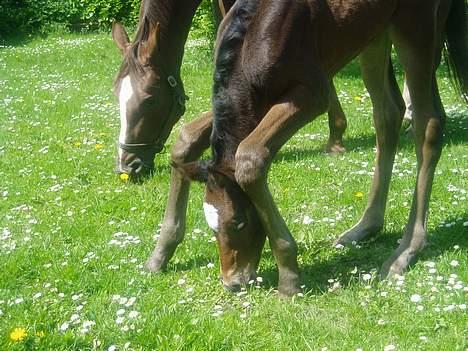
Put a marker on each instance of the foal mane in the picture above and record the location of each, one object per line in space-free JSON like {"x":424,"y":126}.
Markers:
{"x":228,"y":51}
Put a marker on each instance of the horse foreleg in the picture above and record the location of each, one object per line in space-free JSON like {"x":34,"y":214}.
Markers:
{"x":253,"y":159}
{"x":337,"y":123}
{"x":388,"y":113}
{"x":193,"y":139}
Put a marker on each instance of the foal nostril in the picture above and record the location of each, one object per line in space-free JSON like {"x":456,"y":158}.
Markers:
{"x":233,"y":288}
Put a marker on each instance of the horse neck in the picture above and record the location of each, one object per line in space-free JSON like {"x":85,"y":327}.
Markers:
{"x":175,"y":19}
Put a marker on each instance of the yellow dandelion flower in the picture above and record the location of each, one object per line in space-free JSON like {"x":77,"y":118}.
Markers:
{"x":18,"y":334}
{"x":359,"y":194}
{"x":77,"y":144}
{"x":358,"y":98}
{"x":124,"y":177}
{"x":98,"y":146}
{"x":40,"y":333}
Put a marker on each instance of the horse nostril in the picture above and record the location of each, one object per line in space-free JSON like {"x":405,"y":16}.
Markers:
{"x":136,"y":166}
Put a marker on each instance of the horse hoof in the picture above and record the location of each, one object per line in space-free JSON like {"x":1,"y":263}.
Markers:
{"x":335,"y":149}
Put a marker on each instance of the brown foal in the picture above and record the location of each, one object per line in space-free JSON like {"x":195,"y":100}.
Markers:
{"x":274,"y":64}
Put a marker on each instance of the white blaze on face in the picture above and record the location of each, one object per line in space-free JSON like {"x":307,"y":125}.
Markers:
{"x":126,"y":93}
{"x":211,"y":215}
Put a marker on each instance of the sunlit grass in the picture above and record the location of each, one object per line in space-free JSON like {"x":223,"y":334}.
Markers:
{"x":74,"y":236}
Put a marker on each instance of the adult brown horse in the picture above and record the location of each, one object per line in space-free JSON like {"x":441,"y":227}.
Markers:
{"x":149,"y":87}
{"x":272,"y":77}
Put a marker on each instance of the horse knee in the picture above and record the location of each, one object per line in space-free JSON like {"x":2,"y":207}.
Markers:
{"x":251,"y":166}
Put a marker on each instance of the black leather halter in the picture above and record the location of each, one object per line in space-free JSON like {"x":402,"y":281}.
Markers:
{"x":177,"y":110}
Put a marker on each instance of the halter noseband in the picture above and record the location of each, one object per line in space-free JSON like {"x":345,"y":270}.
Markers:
{"x":177,"y":110}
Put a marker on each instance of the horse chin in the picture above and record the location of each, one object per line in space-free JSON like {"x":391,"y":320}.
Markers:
{"x":136,"y":170}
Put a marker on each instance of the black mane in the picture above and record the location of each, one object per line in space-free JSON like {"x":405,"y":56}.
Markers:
{"x":227,"y":54}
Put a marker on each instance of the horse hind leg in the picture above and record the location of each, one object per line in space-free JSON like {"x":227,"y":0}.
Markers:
{"x":419,"y":57}
{"x":388,"y":109}
{"x":337,"y":123}
{"x":192,"y":141}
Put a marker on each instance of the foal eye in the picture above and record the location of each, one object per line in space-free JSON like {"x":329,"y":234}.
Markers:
{"x":240,"y":225}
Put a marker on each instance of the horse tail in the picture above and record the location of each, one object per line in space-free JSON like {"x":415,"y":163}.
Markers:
{"x":456,"y":46}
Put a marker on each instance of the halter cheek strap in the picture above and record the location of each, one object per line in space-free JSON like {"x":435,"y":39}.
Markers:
{"x":177,"y":110}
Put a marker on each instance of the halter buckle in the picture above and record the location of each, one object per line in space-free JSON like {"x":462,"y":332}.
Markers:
{"x":172,"y":81}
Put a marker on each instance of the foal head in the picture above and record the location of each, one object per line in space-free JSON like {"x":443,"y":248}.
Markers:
{"x":150,"y":100}
{"x":235,"y":222}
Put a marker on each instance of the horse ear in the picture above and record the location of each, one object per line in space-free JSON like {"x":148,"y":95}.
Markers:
{"x":120,"y":37}
{"x":151,"y":45}
{"x":197,"y":171}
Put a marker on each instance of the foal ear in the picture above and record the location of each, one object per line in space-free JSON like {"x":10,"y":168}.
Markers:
{"x":197,"y":171}
{"x":120,"y":37}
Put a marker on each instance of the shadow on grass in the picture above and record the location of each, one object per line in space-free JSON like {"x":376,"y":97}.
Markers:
{"x":322,"y":262}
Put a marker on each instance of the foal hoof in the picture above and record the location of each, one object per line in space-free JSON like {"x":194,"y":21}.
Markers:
{"x":155,"y":265}
{"x":288,"y":285}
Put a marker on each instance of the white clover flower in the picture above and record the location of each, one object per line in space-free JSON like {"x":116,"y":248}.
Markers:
{"x":416,"y":298}
{"x":64,"y":326}
{"x":74,"y":317}
{"x":133,"y":314}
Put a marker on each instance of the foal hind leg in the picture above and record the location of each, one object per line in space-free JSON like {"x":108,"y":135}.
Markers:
{"x":337,"y":123}
{"x":253,"y":159}
{"x":419,"y":62}
{"x":388,"y":110}
{"x":193,"y":139}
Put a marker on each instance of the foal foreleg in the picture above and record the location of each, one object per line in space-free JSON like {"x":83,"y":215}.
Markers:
{"x":337,"y":123}
{"x":253,"y":159}
{"x":192,"y":141}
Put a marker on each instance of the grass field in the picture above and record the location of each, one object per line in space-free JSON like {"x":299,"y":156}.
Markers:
{"x":74,"y":237}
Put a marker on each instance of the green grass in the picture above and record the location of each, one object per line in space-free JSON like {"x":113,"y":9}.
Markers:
{"x":73,"y":237}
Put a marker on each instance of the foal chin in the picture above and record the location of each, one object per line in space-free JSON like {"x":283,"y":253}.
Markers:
{"x":237,"y":271}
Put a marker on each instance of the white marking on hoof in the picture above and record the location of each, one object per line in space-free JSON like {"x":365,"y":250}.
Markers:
{"x":126,"y":93}
{"x":211,"y":216}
